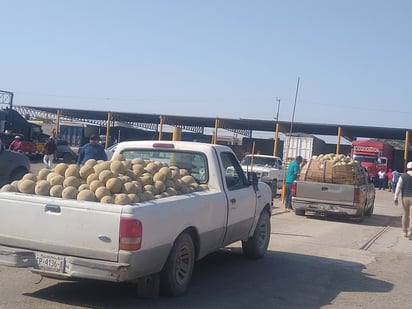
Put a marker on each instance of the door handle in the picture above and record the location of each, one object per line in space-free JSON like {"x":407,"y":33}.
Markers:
{"x":233,"y":200}
{"x":52,"y":209}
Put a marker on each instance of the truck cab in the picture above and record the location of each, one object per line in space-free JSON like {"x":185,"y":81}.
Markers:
{"x":269,"y":169}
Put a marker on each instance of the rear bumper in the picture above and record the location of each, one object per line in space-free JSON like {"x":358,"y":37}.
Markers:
{"x":328,"y":208}
{"x":82,"y":268}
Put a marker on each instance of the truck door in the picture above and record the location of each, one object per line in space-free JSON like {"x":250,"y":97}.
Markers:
{"x":241,"y":199}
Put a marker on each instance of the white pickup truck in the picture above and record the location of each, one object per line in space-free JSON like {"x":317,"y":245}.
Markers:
{"x":154,"y":243}
{"x":269,"y":169}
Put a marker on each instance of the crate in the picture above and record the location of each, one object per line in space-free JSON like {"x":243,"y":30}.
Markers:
{"x":348,"y":174}
{"x":326,"y":171}
{"x":317,"y":170}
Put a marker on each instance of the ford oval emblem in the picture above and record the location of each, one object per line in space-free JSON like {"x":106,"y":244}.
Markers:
{"x":105,"y":239}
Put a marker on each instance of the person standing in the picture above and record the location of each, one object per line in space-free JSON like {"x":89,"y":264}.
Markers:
{"x":389,"y":177}
{"x":395,"y":178}
{"x":291,"y":175}
{"x":381,"y":179}
{"x":92,"y":150}
{"x":15,"y":145}
{"x":49,"y":151}
{"x":404,"y":189}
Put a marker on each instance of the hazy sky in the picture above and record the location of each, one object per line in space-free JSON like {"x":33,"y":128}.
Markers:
{"x":214,"y":58}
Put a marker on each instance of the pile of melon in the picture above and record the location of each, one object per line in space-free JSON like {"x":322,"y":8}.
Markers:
{"x":120,"y":181}
{"x":337,"y":159}
{"x":333,"y":168}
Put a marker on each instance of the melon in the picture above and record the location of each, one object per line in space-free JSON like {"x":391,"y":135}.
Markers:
{"x":42,"y":187}
{"x":71,"y":181}
{"x":69,"y":193}
{"x":102,"y":191}
{"x":86,"y":195}
{"x":26,"y":186}
{"x":121,"y":199}
{"x":107,"y":199}
{"x":114,"y":185}
{"x":56,"y":180}
{"x":42,"y":174}
{"x":61,"y":168}
{"x":56,"y":191}
{"x":72,"y":170}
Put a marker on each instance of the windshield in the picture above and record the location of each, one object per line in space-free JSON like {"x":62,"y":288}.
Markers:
{"x":369,"y":159}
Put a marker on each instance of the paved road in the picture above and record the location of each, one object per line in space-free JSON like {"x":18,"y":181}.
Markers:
{"x":312,"y":262}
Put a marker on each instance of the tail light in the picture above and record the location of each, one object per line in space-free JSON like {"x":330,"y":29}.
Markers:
{"x":294,"y":187}
{"x":130,"y":238}
{"x":356,"y":196}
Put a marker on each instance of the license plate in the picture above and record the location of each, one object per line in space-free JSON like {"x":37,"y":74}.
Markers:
{"x":50,"y":262}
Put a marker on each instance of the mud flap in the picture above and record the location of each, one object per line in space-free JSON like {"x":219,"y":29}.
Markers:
{"x":148,"y":287}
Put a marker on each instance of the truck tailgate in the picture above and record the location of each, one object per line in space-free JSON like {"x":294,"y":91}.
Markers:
{"x":67,"y":227}
{"x":319,"y":191}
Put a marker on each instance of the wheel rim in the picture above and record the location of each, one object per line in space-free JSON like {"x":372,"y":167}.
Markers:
{"x":262,"y":233}
{"x":183,"y":265}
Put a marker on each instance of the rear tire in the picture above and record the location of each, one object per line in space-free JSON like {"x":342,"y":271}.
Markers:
{"x":177,"y":272}
{"x":361,"y":217}
{"x":369,"y":212}
{"x":256,"y":246}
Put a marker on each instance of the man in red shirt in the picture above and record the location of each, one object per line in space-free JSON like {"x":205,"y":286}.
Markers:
{"x":389,"y":177}
{"x":16,"y":144}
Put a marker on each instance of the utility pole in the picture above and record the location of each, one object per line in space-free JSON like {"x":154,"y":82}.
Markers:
{"x":275,"y":147}
{"x":277,"y":113}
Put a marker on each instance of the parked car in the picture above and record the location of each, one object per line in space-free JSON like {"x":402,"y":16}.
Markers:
{"x":13,"y":165}
{"x":64,"y":152}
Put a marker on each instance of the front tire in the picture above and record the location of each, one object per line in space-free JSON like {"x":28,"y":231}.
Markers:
{"x":256,"y":246}
{"x":177,"y":272}
{"x":274,"y":187}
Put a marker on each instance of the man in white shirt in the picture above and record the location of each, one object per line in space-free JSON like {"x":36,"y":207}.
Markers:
{"x":404,"y":188}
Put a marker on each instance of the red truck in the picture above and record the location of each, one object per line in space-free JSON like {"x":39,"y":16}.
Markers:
{"x":373,"y":155}
{"x":32,"y":137}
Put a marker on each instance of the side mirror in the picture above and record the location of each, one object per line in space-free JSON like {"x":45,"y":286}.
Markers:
{"x":253,"y":179}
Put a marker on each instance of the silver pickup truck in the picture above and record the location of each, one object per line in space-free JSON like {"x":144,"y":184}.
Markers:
{"x":329,"y":198}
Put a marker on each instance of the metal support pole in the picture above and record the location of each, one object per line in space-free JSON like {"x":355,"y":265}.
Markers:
{"x":177,"y":134}
{"x":338,"y":142}
{"x":214,"y":137}
{"x":283,"y":194}
{"x":405,"y":153}
{"x":58,"y":123}
{"x":109,"y":120}
{"x":161,"y":128}
{"x":275,"y":147}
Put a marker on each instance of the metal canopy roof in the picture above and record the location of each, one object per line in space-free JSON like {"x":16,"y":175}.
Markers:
{"x":240,"y":126}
